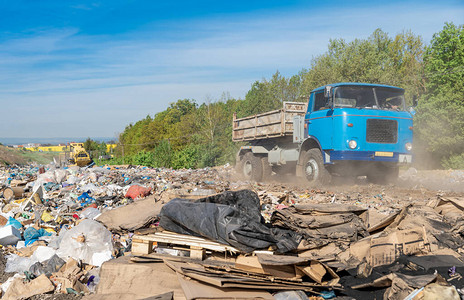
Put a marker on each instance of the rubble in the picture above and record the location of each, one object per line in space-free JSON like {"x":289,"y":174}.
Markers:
{"x":131,"y":232}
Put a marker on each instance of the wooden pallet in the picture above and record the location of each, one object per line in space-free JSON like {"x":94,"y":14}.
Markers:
{"x":143,"y":244}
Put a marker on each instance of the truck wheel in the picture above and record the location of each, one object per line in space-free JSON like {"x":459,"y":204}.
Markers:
{"x":252,"y":167}
{"x":267,"y":169}
{"x":382,"y":174}
{"x":238,"y":164}
{"x":313,"y":167}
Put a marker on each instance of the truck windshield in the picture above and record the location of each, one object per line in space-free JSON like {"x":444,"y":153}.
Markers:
{"x":369,"y":97}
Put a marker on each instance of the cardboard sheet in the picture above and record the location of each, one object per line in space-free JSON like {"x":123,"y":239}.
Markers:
{"x":131,"y":217}
{"x":20,"y":290}
{"x":198,"y":291}
{"x":141,"y":280}
{"x":385,"y":248}
{"x":400,"y":285}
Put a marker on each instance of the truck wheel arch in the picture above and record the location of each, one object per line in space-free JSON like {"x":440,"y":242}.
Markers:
{"x":310,"y":143}
{"x":260,"y":150}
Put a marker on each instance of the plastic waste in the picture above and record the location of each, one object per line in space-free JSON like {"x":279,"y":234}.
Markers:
{"x":290,"y":295}
{"x":233,"y":218}
{"x":137,"y":191}
{"x":89,"y":241}
{"x":56,"y":240}
{"x":42,"y":253}
{"x":47,"y":217}
{"x":84,"y":196}
{"x":72,"y":179}
{"x":31,"y":234}
{"x":90,"y":213}
{"x":47,"y":267}
{"x":60,"y":175}
{"x":93,"y":278}
{"x":13,"y":222}
{"x":85,"y":199}
{"x":17,"y":264}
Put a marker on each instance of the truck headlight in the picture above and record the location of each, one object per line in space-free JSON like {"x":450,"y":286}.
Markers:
{"x":408,"y":146}
{"x":352,"y":144}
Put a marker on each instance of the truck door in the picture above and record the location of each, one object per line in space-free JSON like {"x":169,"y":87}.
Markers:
{"x":320,"y":120}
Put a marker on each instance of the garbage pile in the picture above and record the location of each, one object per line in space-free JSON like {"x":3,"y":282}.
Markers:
{"x":48,"y":228}
{"x":135,"y":232}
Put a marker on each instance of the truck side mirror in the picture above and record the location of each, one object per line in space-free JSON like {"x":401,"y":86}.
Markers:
{"x":328,"y":91}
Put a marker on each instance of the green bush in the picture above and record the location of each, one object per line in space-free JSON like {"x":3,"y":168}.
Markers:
{"x":143,"y":159}
{"x":162,"y":155}
{"x":186,"y":158}
{"x":454,"y":162}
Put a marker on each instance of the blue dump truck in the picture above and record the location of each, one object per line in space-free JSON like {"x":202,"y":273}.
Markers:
{"x":344,"y":129}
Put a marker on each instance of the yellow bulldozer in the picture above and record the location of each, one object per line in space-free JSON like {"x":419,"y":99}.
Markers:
{"x":78,"y":155}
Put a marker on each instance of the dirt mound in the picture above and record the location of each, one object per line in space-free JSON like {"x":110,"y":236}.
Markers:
{"x":10,"y":157}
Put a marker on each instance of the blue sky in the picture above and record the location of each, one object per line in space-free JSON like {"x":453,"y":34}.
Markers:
{"x":89,"y":68}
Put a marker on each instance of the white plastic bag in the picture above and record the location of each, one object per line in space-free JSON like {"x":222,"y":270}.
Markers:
{"x":90,"y":213}
{"x":60,"y":175}
{"x":72,"y":179}
{"x":17,"y":264}
{"x":42,"y":253}
{"x":89,"y":241}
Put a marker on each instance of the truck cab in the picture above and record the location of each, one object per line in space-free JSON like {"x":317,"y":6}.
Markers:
{"x":360,"y":129}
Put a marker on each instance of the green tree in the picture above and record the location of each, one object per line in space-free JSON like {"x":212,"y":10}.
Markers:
{"x":439,"y":119}
{"x":377,"y":59}
{"x":90,"y":145}
{"x":270,"y":94}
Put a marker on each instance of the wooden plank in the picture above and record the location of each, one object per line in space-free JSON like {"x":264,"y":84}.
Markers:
{"x":142,"y":248}
{"x":197,"y":252}
{"x":186,"y":240}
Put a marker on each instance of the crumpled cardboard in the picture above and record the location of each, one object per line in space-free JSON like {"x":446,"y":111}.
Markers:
{"x":452,"y":210}
{"x":131,"y":217}
{"x":323,"y":224}
{"x":384,"y":248}
{"x":436,"y":291}
{"x":68,"y":276}
{"x":400,"y":285}
{"x":282,"y":266}
{"x":20,"y":290}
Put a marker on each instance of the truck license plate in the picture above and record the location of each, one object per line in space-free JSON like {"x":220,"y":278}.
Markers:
{"x":405,"y":158}
{"x":384,"y":154}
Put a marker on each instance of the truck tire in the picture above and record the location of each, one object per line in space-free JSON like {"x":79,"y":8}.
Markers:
{"x":382,"y":174}
{"x":252,"y":167}
{"x":238,"y":164}
{"x":267,"y":169}
{"x":313,"y":167}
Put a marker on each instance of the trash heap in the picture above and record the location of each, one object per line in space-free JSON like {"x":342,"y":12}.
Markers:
{"x":135,"y":232}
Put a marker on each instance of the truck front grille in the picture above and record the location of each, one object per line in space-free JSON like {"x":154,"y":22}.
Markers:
{"x":382,"y":131}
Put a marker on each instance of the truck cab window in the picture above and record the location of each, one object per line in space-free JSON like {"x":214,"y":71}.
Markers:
{"x":369,"y":97}
{"x":320,"y":102}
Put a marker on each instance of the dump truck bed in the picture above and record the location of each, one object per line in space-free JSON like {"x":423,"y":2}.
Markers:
{"x":276,"y":123}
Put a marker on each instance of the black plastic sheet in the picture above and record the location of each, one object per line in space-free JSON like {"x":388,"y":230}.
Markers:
{"x":232,"y":217}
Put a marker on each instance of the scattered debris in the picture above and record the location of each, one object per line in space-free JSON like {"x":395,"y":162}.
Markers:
{"x":134,"y":232}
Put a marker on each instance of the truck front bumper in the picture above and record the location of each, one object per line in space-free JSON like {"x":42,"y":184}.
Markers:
{"x":332,"y":156}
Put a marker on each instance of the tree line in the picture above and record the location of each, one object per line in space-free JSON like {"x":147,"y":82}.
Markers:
{"x":192,"y":135}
